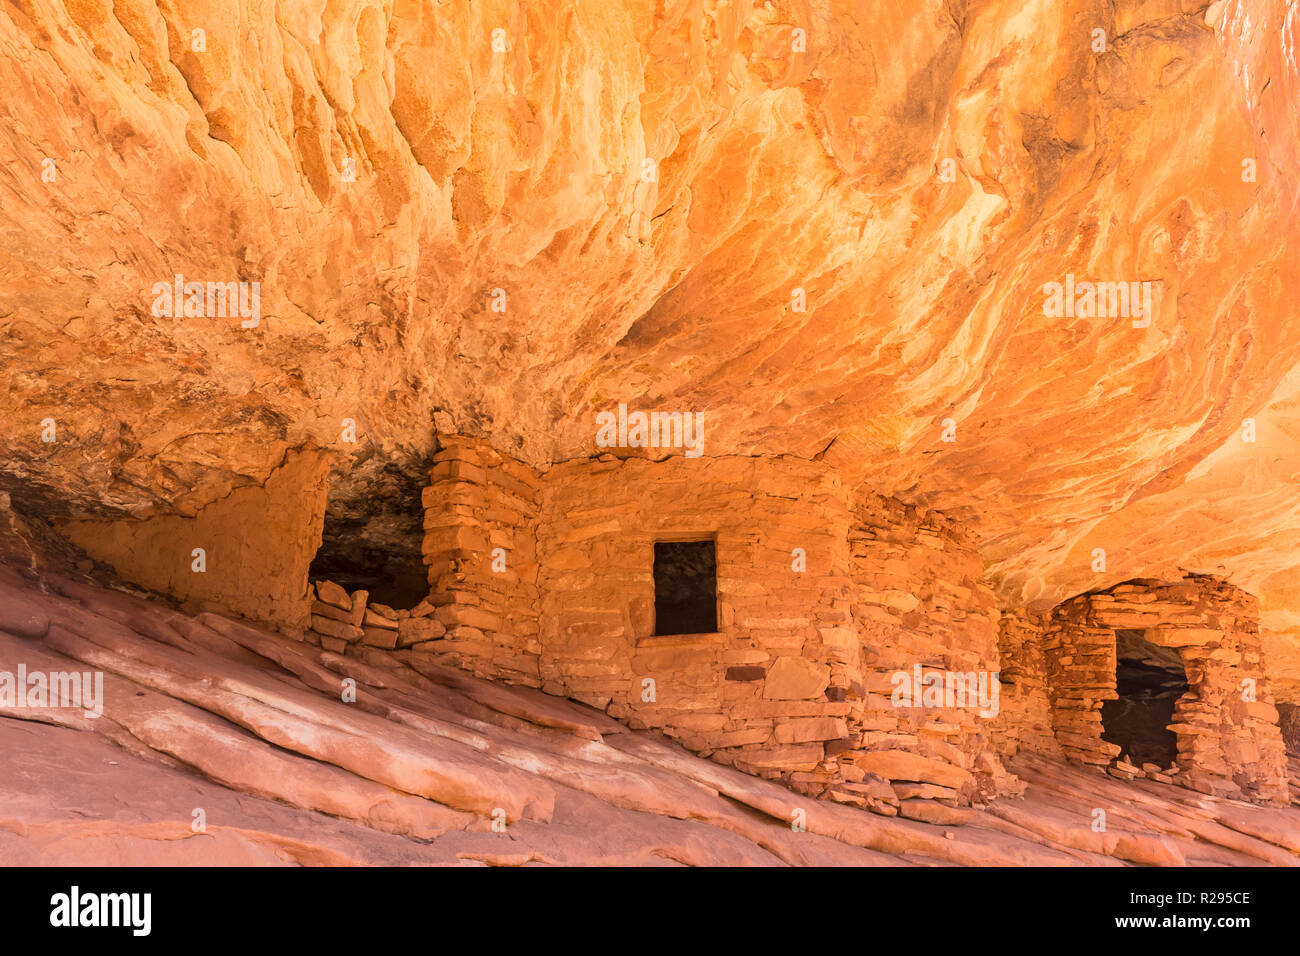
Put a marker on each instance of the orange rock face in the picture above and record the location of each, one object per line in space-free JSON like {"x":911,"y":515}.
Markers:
{"x":819,"y":231}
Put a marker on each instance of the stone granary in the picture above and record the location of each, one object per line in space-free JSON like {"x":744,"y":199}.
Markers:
{"x":1223,"y":726}
{"x":761,"y":612}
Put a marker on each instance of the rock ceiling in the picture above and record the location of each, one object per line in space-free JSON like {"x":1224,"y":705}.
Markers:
{"x":655,"y":190}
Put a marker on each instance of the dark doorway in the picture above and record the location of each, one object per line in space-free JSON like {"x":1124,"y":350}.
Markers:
{"x":1149,"y":680}
{"x":374,"y":526}
{"x":686,"y":587}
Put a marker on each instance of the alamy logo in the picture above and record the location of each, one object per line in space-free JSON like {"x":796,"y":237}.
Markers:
{"x":683,"y":430}
{"x":934,"y":688}
{"x":1103,"y":300}
{"x":103,"y":909}
{"x":213,"y":300}
{"x":38,"y":689}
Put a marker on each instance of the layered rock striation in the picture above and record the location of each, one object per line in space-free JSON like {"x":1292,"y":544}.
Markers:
{"x":815,"y":225}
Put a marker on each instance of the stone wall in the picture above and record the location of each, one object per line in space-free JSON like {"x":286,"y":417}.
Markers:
{"x":919,"y":603}
{"x":767,"y":691}
{"x":1024,"y":721}
{"x":480,"y":545}
{"x":828,"y":606}
{"x":340,"y":619}
{"x":479,"y":548}
{"x":822,"y":601}
{"x":257,"y":544}
{"x":1226,"y":725}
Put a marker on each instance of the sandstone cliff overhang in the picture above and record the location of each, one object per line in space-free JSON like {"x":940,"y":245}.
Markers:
{"x":836,"y":240}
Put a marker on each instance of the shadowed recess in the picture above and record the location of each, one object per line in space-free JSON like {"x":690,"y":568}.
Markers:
{"x":1149,"y":680}
{"x":371,"y":540}
{"x":686,"y":587}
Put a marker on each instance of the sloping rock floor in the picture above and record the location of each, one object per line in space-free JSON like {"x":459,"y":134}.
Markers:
{"x":207,"y":713}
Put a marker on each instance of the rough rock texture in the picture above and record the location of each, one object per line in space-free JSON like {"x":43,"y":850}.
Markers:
{"x":1026,"y":715}
{"x":851,"y":647}
{"x":480,"y":543}
{"x":768,"y":662}
{"x":682,"y":206}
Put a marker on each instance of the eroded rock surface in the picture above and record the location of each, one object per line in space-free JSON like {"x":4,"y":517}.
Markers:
{"x":422,"y":764}
{"x":655,"y":190}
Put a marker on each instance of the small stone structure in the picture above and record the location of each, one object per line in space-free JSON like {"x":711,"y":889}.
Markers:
{"x":481,"y":515}
{"x":1226,"y":725}
{"x":826,"y":603}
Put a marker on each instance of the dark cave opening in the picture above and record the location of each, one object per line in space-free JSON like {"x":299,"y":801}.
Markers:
{"x":399,"y":581}
{"x":373,"y":533}
{"x":1149,"y":680}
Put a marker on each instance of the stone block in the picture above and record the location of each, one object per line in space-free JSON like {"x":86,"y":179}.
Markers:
{"x":321,"y":609}
{"x":1184,"y":636}
{"x":374,"y":619}
{"x":416,"y":630}
{"x":795,"y":678}
{"x":902,"y":765}
{"x":804,"y":730}
{"x":335,"y":629}
{"x":381,"y":637}
{"x":331,"y":593}
{"x":785,"y":757}
{"x":359,"y":600}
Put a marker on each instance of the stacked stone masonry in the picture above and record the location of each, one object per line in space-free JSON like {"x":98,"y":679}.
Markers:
{"x":769,"y":692}
{"x":1226,"y":726}
{"x":340,"y":619}
{"x":827,"y":602}
{"x":480,"y":533}
{"x":920,"y":607}
{"x":1025,"y":716}
{"x":547,"y":580}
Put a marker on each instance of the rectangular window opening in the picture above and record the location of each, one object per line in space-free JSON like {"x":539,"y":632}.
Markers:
{"x":686,"y":587}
